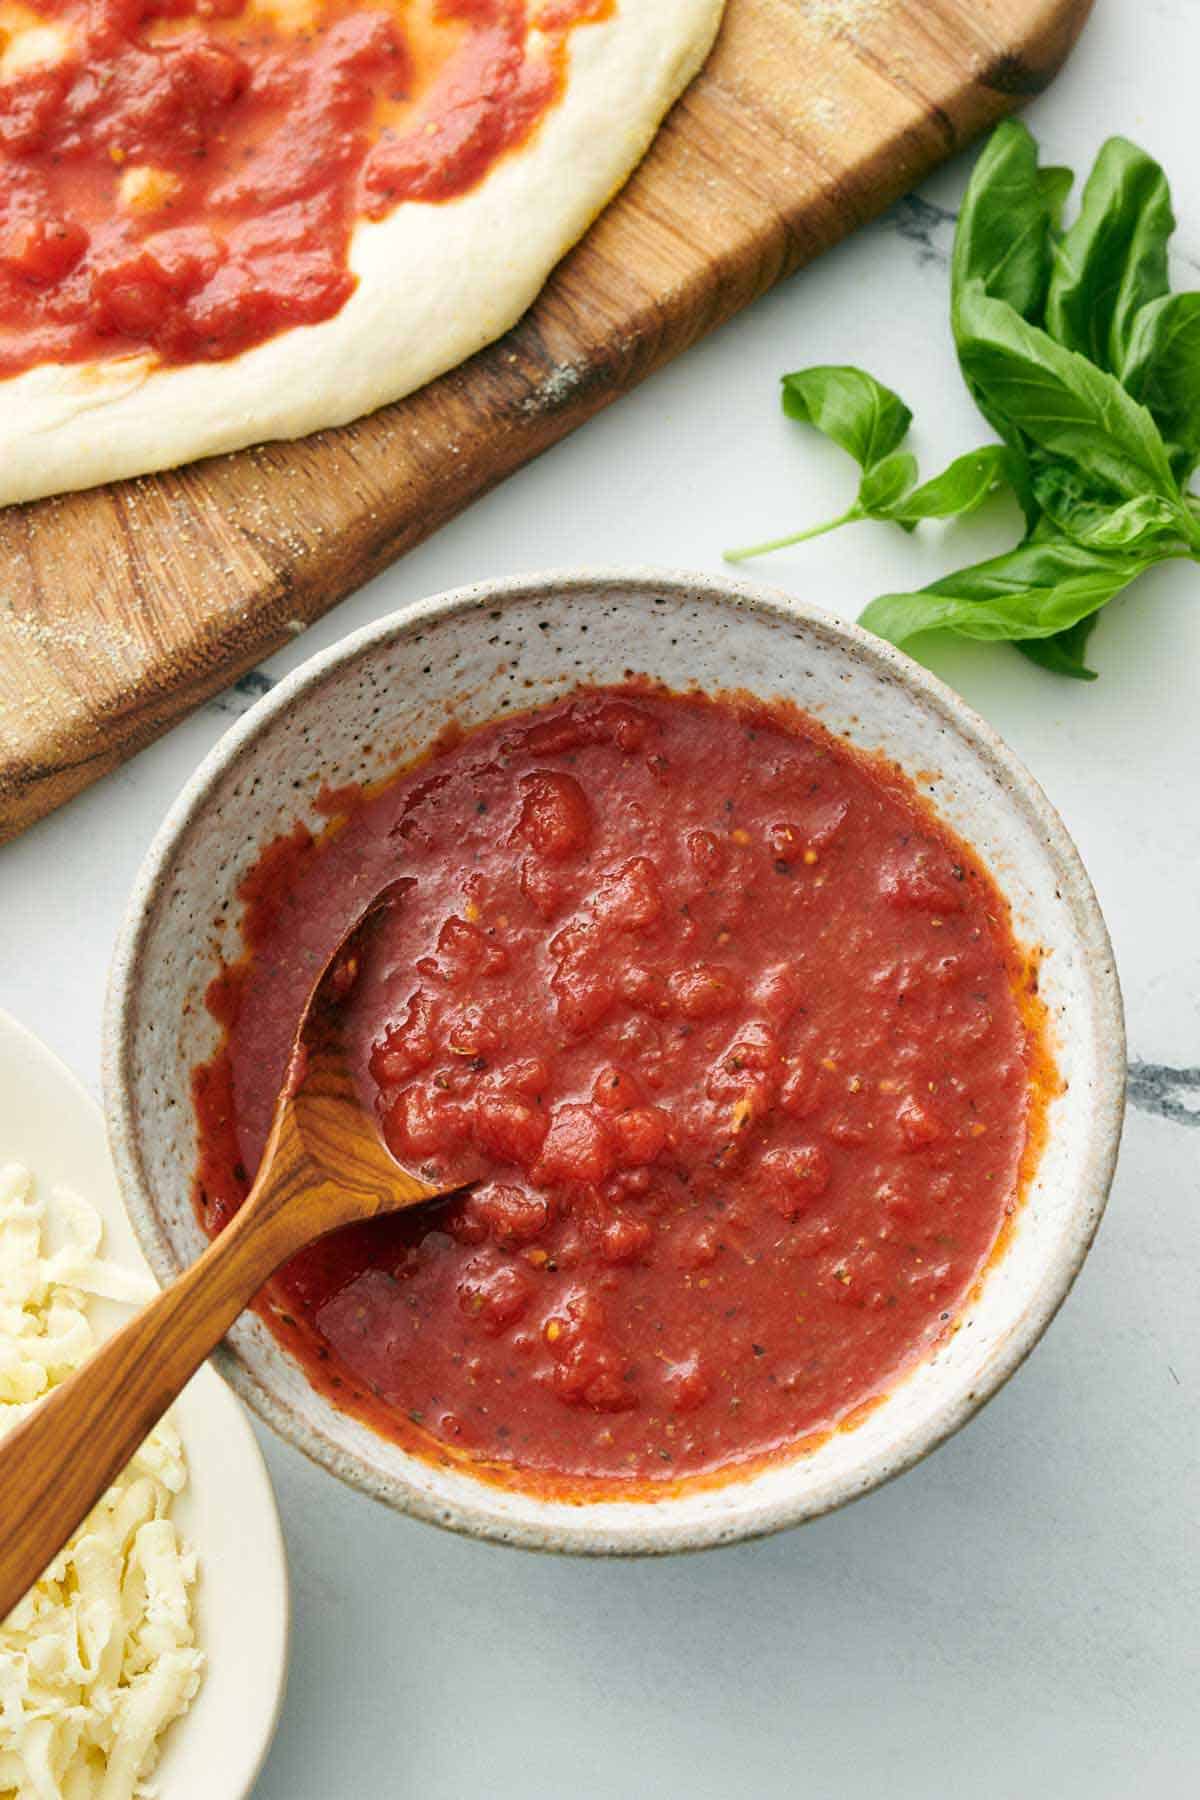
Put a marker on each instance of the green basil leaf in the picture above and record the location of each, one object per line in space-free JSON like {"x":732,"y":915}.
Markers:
{"x":1003,"y":237}
{"x":885,"y":483}
{"x":1051,"y":403}
{"x":1162,"y":370}
{"x":1113,"y":260}
{"x":1062,"y":654}
{"x":867,"y":419}
{"x":1069,"y":504}
{"x":1137,"y":525}
{"x":1056,"y":185}
{"x":961,"y":488}
{"x":1038,"y":590}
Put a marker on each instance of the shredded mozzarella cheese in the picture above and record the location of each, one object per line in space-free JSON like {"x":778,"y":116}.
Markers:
{"x":100,"y":1656}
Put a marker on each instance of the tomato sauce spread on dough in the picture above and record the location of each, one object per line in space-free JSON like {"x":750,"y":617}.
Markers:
{"x":738,"y":1035}
{"x":184,"y":176}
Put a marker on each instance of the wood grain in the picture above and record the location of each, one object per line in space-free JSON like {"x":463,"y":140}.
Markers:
{"x":324,"y":1166}
{"x":123,"y":607}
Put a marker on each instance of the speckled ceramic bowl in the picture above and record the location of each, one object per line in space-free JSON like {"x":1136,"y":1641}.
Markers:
{"x":349,"y":715}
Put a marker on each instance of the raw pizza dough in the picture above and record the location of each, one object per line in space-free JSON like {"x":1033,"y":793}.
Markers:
{"x":436,"y":283}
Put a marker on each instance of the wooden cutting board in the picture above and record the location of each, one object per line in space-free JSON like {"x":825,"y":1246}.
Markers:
{"x":123,"y":607}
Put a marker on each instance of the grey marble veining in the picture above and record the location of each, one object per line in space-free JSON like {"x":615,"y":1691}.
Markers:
{"x":928,"y":227}
{"x":1167,"y":1092}
{"x":238,"y":698}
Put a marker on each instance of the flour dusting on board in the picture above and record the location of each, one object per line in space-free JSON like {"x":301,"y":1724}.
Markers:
{"x":846,"y":18}
{"x":826,"y":112}
{"x":558,"y":387}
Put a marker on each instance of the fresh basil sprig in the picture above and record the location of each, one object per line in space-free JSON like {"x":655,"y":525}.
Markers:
{"x":1088,"y":369}
{"x":870,"y":422}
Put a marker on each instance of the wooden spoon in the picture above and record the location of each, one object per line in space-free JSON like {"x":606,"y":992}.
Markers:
{"x":324,"y":1165}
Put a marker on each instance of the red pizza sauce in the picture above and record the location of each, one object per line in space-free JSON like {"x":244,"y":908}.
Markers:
{"x":740,"y":1037}
{"x":187,"y":176}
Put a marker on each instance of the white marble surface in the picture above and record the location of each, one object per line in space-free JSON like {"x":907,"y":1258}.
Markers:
{"x":1020,"y":1615}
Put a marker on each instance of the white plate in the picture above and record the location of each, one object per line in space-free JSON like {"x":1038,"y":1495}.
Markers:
{"x":50,"y":1123}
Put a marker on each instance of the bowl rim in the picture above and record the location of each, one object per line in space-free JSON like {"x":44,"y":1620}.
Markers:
{"x":1097,"y":1161}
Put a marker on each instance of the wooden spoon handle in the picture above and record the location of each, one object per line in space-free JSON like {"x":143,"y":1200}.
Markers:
{"x":58,"y":1461}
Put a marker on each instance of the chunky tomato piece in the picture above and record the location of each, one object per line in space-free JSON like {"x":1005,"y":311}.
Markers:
{"x":630,"y":898}
{"x":615,"y":1090}
{"x":579,"y":1146}
{"x":494,"y":1294}
{"x":45,"y":249}
{"x":750,"y":1063}
{"x":528,"y":1075}
{"x":543,"y":887}
{"x":707,"y":853}
{"x":511,"y":1215}
{"x":797,"y":1176}
{"x":641,"y":1133}
{"x":587,"y":1370}
{"x":583,"y":983}
{"x":779,"y":991}
{"x":464,"y":950}
{"x":406,"y":1046}
{"x":555,"y":817}
{"x":646,"y":989}
{"x":705,"y":991}
{"x":32,"y":103}
{"x":624,"y":1239}
{"x":510,"y":1128}
{"x":421,"y":1123}
{"x":628,"y":727}
{"x":130,"y":297}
